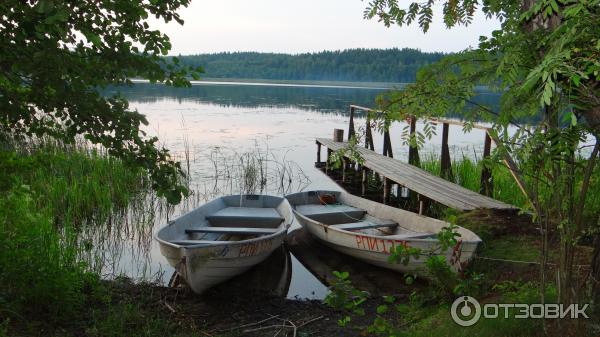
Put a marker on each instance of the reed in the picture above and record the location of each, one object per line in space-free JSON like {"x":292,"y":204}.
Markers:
{"x":52,"y":194}
{"x":467,"y":173}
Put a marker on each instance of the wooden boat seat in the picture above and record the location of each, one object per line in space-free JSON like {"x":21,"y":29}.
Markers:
{"x":331,"y":214}
{"x":365,"y":225}
{"x":245,"y":216}
{"x":233,"y":230}
{"x":412,"y":236}
{"x":196,"y":242}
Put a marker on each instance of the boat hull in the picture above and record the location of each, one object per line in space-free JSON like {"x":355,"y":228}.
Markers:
{"x":224,"y":237}
{"x":204,"y":267}
{"x":376,"y":249}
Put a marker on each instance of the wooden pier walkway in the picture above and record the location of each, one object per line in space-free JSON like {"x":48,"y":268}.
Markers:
{"x":417,"y":180}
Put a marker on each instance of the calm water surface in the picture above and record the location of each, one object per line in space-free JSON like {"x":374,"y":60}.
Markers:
{"x":215,"y":124}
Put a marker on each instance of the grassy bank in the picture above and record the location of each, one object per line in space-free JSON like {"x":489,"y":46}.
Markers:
{"x":49,"y":194}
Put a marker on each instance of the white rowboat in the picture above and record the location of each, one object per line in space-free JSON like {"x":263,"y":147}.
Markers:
{"x":224,"y":237}
{"x":368,"y":230}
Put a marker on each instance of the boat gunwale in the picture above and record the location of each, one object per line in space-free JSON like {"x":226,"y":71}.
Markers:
{"x":347,"y":232}
{"x":283,"y":231}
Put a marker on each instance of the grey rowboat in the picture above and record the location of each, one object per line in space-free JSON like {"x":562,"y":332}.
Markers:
{"x":224,"y":237}
{"x":367,"y":230}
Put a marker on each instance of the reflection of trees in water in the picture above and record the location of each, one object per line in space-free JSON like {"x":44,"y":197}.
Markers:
{"x":310,"y":98}
{"x":326,"y":100}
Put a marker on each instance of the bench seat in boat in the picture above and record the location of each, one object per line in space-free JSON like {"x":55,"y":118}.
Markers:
{"x":412,"y":236}
{"x":245,"y":216}
{"x":331,"y":214}
{"x":365,"y":225}
{"x":196,"y":242}
{"x":233,"y":230}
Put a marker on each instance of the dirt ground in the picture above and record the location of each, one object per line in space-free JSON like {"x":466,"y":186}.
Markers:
{"x":219,"y":313}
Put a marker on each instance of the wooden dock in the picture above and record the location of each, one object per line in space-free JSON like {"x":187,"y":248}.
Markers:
{"x":415,"y":179}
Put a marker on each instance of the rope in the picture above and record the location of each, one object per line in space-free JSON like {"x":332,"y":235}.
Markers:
{"x":527,"y":262}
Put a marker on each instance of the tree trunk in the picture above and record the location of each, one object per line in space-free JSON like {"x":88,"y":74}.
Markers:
{"x":592,"y":117}
{"x":595,"y":276}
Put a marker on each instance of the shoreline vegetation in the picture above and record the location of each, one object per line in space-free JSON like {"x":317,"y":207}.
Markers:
{"x":52,"y":192}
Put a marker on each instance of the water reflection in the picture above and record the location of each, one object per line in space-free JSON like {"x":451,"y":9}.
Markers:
{"x":321,"y":99}
{"x":322,"y":261}
{"x":331,"y":100}
{"x":272,"y":277}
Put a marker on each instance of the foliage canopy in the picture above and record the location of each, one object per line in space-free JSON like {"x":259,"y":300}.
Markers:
{"x":56,"y":56}
{"x":545,"y":61}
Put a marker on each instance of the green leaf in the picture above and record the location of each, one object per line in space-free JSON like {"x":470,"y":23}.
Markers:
{"x":44,"y":6}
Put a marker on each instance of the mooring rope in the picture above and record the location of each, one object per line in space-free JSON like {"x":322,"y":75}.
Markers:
{"x":526,"y":262}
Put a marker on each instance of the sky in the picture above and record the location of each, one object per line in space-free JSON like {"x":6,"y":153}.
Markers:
{"x":296,"y":26}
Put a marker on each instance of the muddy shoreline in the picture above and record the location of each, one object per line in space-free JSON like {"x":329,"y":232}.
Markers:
{"x":232,"y":313}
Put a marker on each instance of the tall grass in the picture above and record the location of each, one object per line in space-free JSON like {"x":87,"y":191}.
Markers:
{"x":467,"y":173}
{"x":49,"y":194}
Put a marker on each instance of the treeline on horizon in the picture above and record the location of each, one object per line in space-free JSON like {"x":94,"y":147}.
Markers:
{"x":360,"y":65}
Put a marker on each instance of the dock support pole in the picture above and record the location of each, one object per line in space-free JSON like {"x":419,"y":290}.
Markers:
{"x":445,"y":164}
{"x":344,"y":168}
{"x":318,"y":152}
{"x":487,"y":185}
{"x":386,"y":190}
{"x":413,"y":152}
{"x":364,"y":182}
{"x":327,"y":168}
{"x":387,"y":145}
{"x":351,"y":124}
{"x":338,"y":135}
{"x":369,"y":135}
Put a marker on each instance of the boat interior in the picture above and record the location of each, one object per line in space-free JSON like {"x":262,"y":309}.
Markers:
{"x":230,"y":218}
{"x":324,"y":207}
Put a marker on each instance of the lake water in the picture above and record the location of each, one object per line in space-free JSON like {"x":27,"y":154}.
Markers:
{"x":214,"y":124}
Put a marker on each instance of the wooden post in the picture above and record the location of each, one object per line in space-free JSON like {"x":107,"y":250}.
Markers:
{"x":487,"y":185}
{"x":318,"y":152}
{"x":369,"y":135}
{"x":386,"y":190}
{"x":446,"y":165}
{"x":387,"y":145}
{"x":338,"y":135}
{"x":421,"y":207}
{"x":351,"y":124}
{"x":327,"y":162}
{"x":364,"y":182}
{"x":413,"y":152}
{"x":344,"y":167}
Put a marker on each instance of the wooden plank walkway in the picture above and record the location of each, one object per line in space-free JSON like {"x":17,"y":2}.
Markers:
{"x":420,"y":181}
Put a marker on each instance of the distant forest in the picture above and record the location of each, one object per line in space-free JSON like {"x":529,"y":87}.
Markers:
{"x":361,"y":65}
